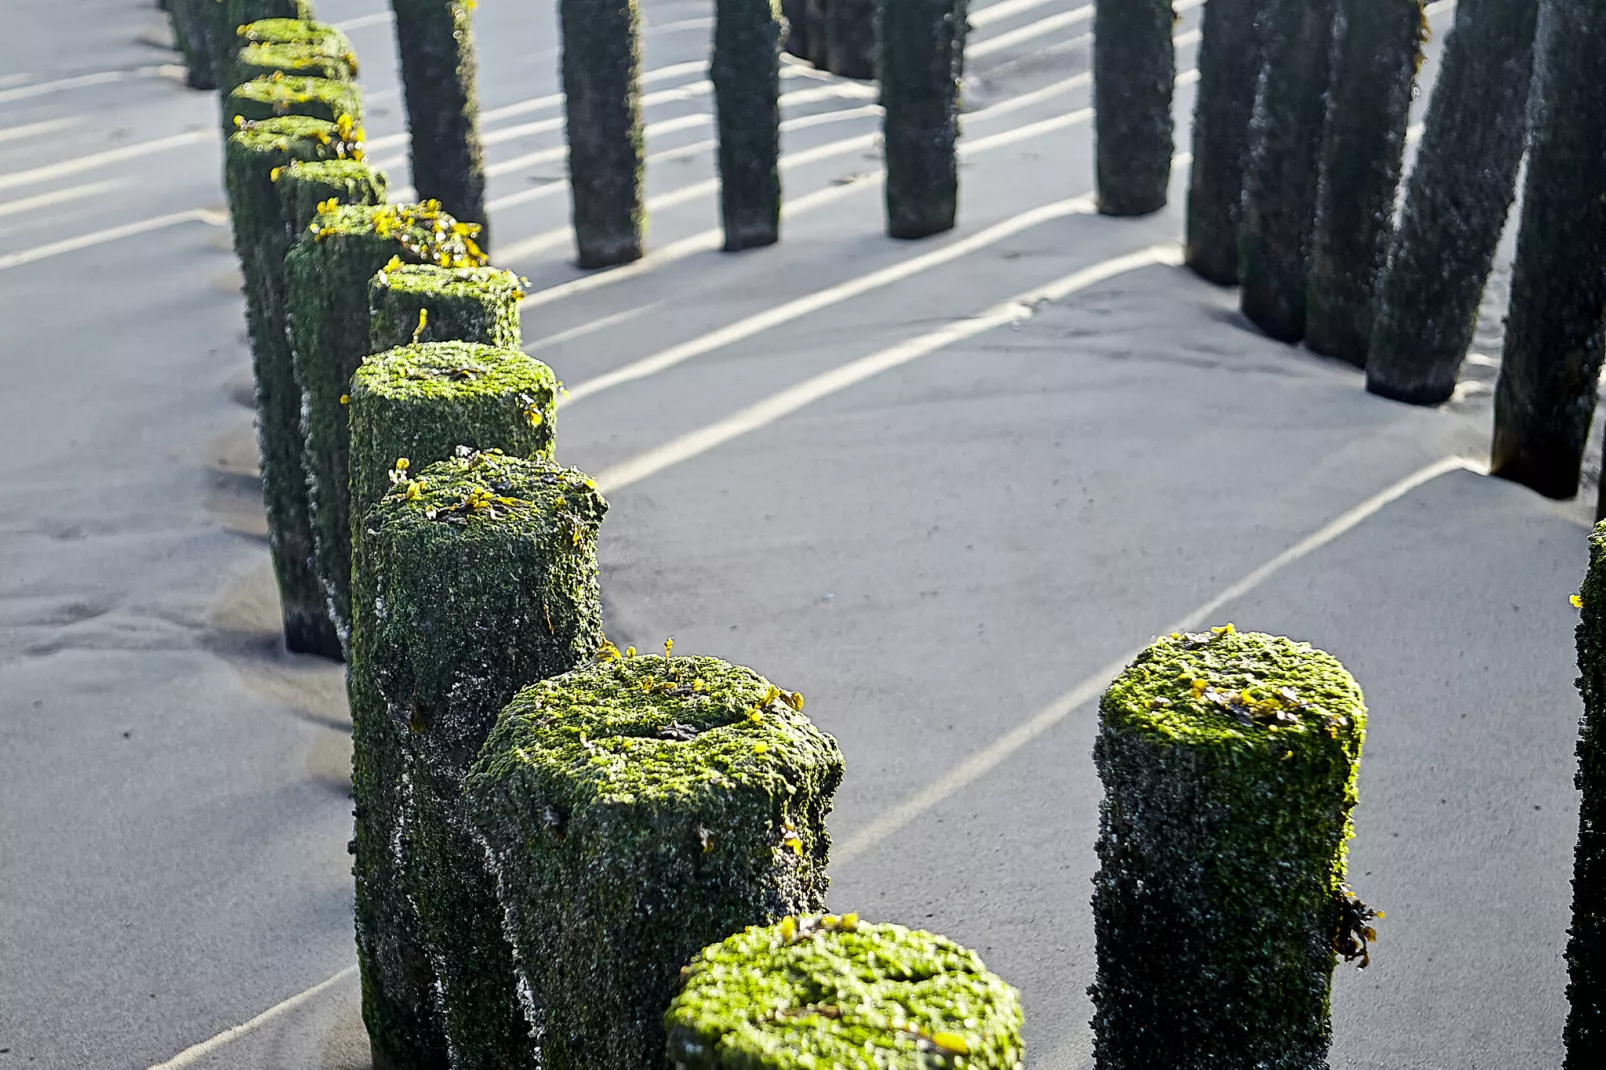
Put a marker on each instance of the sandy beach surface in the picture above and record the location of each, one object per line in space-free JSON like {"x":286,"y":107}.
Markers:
{"x":898,"y":477}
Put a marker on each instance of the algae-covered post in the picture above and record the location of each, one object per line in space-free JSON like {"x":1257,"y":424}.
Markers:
{"x":327,"y":277}
{"x":1585,"y":1032}
{"x":637,"y":810}
{"x":416,"y":404}
{"x":306,"y":188}
{"x":253,"y":157}
{"x":1230,"y":52}
{"x":194,"y":31}
{"x":1377,"y":48}
{"x":602,"y":110}
{"x":746,"y":72}
{"x":1228,"y":762}
{"x":400,"y":1001}
{"x":435,"y":39}
{"x":1279,"y":206}
{"x":1134,"y":67}
{"x":230,"y":15}
{"x":849,"y":29}
{"x":292,"y":47}
{"x":301,"y":30}
{"x":1545,"y":396}
{"x":860,"y":994}
{"x":1456,"y":203}
{"x":477,"y":576}
{"x":922,"y":61}
{"x":419,"y":402}
{"x":274,"y":95}
{"x":431,"y":303}
{"x":295,"y":60}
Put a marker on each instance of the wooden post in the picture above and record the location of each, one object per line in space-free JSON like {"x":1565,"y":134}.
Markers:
{"x":1228,"y":762}
{"x":1456,"y":203}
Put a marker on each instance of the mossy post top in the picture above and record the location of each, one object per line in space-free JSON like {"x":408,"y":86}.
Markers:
{"x":1232,"y":689}
{"x":431,"y":303}
{"x":306,"y":186}
{"x":437,"y":371}
{"x":461,"y":283}
{"x":295,"y":59}
{"x":493,"y":540}
{"x":320,"y":35}
{"x":655,"y":730}
{"x":486,"y":493}
{"x":423,"y":232}
{"x":285,"y":94}
{"x":332,"y":173}
{"x":296,"y":137}
{"x":822,"y":990}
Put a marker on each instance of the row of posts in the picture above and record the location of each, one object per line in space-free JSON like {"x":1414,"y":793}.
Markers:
{"x":919,"y":60}
{"x":571,"y":856}
{"x":565,"y":855}
{"x":1299,"y":138}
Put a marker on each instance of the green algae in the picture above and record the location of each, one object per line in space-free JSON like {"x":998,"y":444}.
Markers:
{"x":482,"y":573}
{"x":292,"y":60}
{"x":420,"y":402}
{"x":236,"y":23}
{"x":1229,"y":765}
{"x":823,"y":991}
{"x":440,"y":304}
{"x":277,"y":94}
{"x":472,"y":578}
{"x":328,"y":272}
{"x":262,"y":234}
{"x":290,"y":46}
{"x":1286,"y":690}
{"x":638,"y":809}
{"x":307,"y":187}
{"x":302,"y":30}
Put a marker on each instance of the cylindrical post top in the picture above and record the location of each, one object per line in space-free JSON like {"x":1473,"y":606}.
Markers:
{"x":656,"y":729}
{"x":438,"y":304}
{"x":422,"y":232}
{"x":513,"y":497}
{"x":1225,"y":688}
{"x":822,"y":990}
{"x":422,"y":401}
{"x":298,"y":60}
{"x":280,"y":94}
{"x":437,"y":281}
{"x":319,"y":139}
{"x":444,"y":371}
{"x":294,"y":31}
{"x":306,"y":186}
